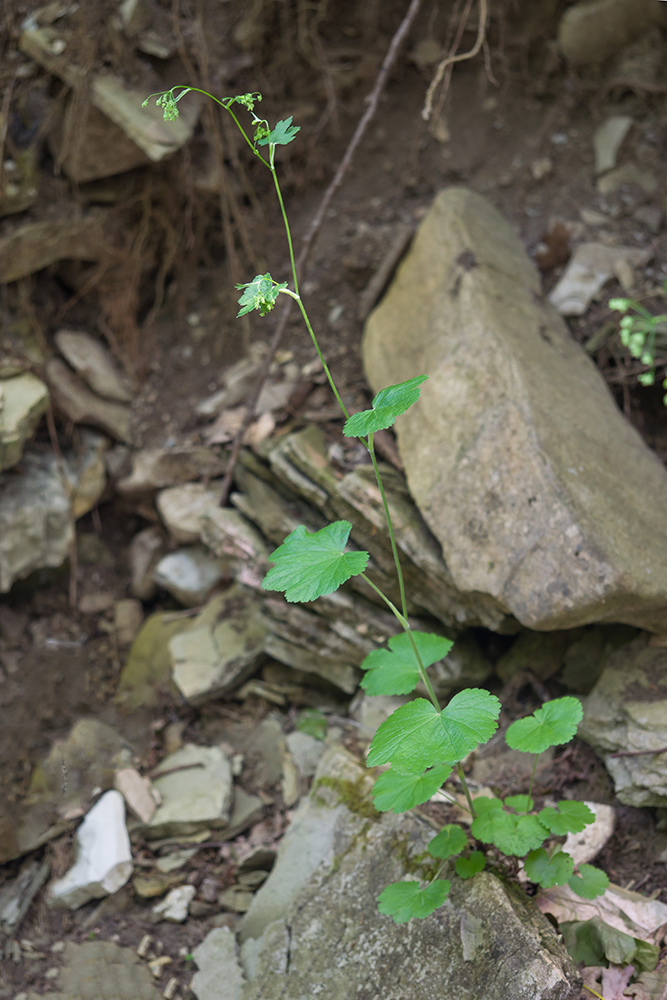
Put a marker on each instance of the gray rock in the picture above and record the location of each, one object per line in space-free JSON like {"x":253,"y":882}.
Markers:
{"x":516,"y":454}
{"x":465,"y":666}
{"x":31,"y":246}
{"x":607,"y":140}
{"x":103,"y":970}
{"x":91,"y":359}
{"x":220,"y":976}
{"x":182,"y":508}
{"x":143,"y":554}
{"x":82,"y":406}
{"x":589,"y":269}
{"x":146,"y":677}
{"x":156,"y":468}
{"x":222,"y":647}
{"x":18,"y":893}
{"x":23,"y":402}
{"x":626,"y":712}
{"x":627,"y":174}
{"x":591,"y":31}
{"x":587,"y":657}
{"x":231,"y":537}
{"x":370,"y":711}
{"x":306,"y":752}
{"x":189,"y":574}
{"x":326,"y":935}
{"x":195,"y":785}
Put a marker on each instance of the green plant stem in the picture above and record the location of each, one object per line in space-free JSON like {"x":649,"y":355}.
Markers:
{"x":297,"y":299}
{"x":287,"y":228}
{"x":466,"y":788}
{"x":392,"y":607}
{"x":598,"y":995}
{"x":390,"y":526}
{"x":440,"y":869}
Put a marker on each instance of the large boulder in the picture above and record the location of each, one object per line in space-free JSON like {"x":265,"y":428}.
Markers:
{"x":314,"y":926}
{"x":531,"y":479}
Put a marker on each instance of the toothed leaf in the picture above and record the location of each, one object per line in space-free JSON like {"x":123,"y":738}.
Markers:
{"x":569,"y":817}
{"x":387,"y":405}
{"x":400,"y":792}
{"x":467,"y":867}
{"x":553,"y":724}
{"x":450,"y":841}
{"x":311,"y":564}
{"x":548,"y":871}
{"x":404,"y":900}
{"x":395,"y":670}
{"x":589,"y":883}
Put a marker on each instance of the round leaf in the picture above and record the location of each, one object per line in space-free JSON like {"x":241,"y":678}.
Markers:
{"x":467,"y":867}
{"x":450,"y":841}
{"x":400,"y":792}
{"x":589,"y":883}
{"x":553,"y":724}
{"x":404,"y":900}
{"x":548,"y":871}
{"x":570,"y":817}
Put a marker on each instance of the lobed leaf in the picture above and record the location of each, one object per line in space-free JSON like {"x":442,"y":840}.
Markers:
{"x":417,"y":736}
{"x":311,"y":564}
{"x":510,"y":833}
{"x":281,"y":135}
{"x":450,"y":841}
{"x":570,"y":817}
{"x":520,"y":803}
{"x":387,"y":405}
{"x":589,"y":883}
{"x":400,"y":792}
{"x":395,"y":670}
{"x":260,"y":293}
{"x":548,"y":871}
{"x":404,"y":900}
{"x":467,"y":867}
{"x":553,"y":724}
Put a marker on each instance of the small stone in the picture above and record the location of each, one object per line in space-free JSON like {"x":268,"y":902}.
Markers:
{"x":590,"y":268}
{"x":90,"y":359}
{"x":144,"y":553}
{"x":174,"y":907}
{"x":237,"y":899}
{"x":104,"y":858}
{"x":128,"y":618}
{"x":650,"y":216}
{"x":306,"y":752}
{"x":189,"y":574}
{"x":607,"y":141}
{"x":82,"y":406}
{"x":172,"y":862}
{"x":182,"y":508}
{"x":584,"y":847}
{"x":156,"y":468}
{"x":52,"y":973}
{"x":136,"y":790}
{"x":23,"y":401}
{"x":195,"y":785}
{"x":630,"y":174}
{"x":95,"y":603}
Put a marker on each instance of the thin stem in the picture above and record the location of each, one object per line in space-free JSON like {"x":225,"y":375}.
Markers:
{"x":466,"y":789}
{"x":297,"y":299}
{"x":442,"y":866}
{"x":287,"y":228}
{"x":532,"y":779}
{"x":386,"y":600}
{"x":390,"y":526}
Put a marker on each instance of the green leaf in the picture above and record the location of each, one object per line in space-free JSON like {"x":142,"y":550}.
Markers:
{"x":260,"y":293}
{"x":282,"y":134}
{"x":467,"y":867}
{"x":570,"y":817}
{"x":395,"y":670}
{"x":589,"y":883}
{"x":553,"y":724}
{"x":387,"y":405}
{"x":548,"y":871}
{"x":311,"y":564}
{"x":404,"y":900}
{"x":450,"y":841}
{"x":400,"y":792}
{"x":313,"y":723}
{"x":511,"y":834}
{"x":417,"y":736}
{"x":520,"y":803}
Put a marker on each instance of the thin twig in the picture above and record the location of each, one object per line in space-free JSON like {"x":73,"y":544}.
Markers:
{"x":313,"y":229}
{"x":453,"y":58}
{"x":638,"y":753}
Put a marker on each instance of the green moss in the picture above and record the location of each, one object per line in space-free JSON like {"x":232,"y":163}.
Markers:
{"x":422,"y":864}
{"x":352,"y":794}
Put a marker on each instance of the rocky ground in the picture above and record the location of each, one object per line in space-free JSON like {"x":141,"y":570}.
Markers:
{"x":183,"y":802}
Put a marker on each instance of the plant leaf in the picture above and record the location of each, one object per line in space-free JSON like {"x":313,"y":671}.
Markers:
{"x":553,"y":724}
{"x":311,"y":564}
{"x":450,"y":841}
{"x":548,"y":871}
{"x":282,"y":134}
{"x":400,"y":792}
{"x":403,"y":900}
{"x":417,"y":736}
{"x":395,"y":670}
{"x":570,"y":817}
{"x":260,"y":293}
{"x":313,"y":723}
{"x":387,"y":405}
{"x":589,"y":883}
{"x":467,"y":867}
{"x":520,"y":803}
{"x":511,"y":834}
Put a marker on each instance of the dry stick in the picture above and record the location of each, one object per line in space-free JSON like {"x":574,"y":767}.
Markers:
{"x":435,"y":82}
{"x":373,"y":100}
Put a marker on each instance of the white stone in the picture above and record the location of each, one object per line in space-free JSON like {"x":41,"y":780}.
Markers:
{"x":585,"y":846}
{"x":189,"y":574}
{"x":182,"y":508}
{"x":175,"y":905}
{"x":607,"y":141}
{"x":104,"y":858}
{"x":591,"y":266}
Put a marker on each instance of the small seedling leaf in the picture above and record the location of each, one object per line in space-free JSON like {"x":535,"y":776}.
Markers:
{"x":281,"y":135}
{"x":395,"y":670}
{"x":548,"y":871}
{"x":510,"y":833}
{"x":589,"y":883}
{"x":467,"y":867}
{"x":520,"y":803}
{"x":387,"y":405}
{"x":260,"y":293}
{"x":417,"y":736}
{"x":450,"y":841}
{"x":400,"y":792}
{"x":404,"y":900}
{"x":569,"y":817}
{"x":313,"y":723}
{"x":553,"y":724}
{"x":311,"y":564}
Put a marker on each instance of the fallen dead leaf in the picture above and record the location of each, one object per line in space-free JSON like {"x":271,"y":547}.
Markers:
{"x":627,"y":911}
